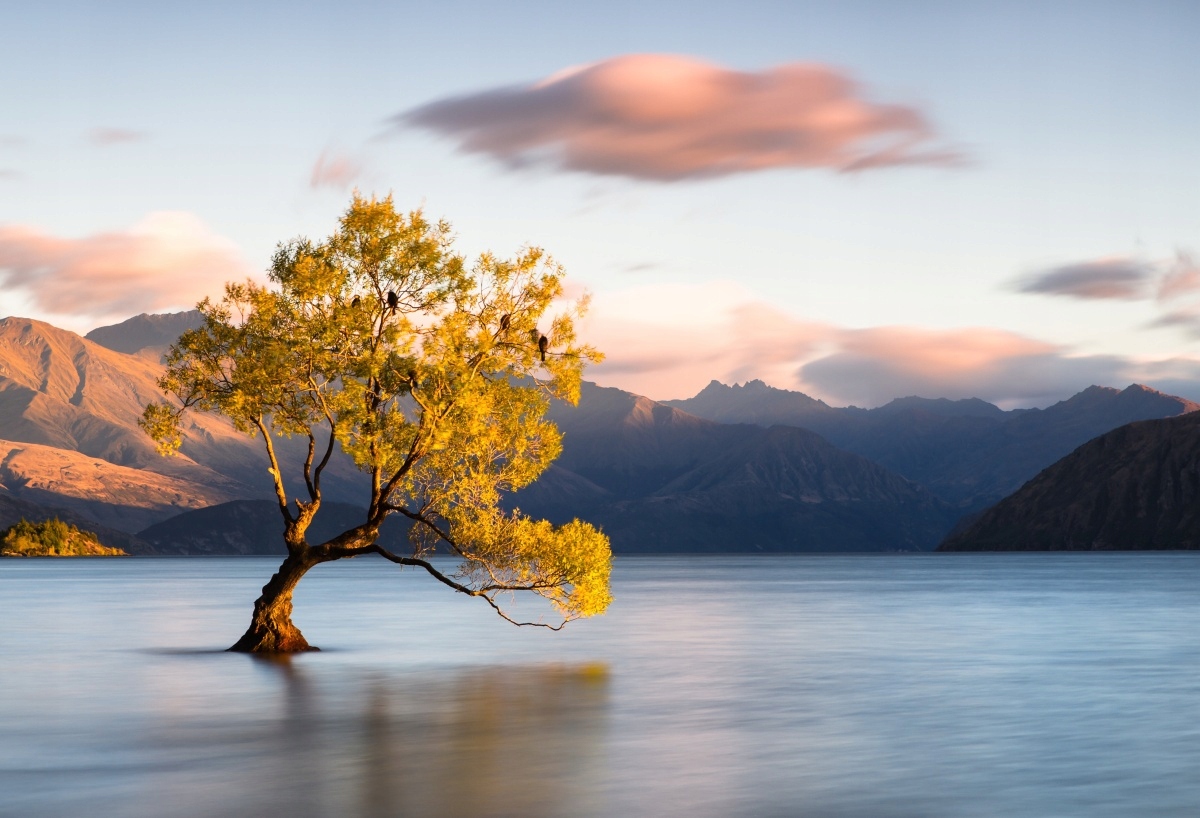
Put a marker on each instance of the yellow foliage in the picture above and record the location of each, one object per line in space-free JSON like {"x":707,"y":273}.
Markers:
{"x":52,"y":538}
{"x":427,"y":371}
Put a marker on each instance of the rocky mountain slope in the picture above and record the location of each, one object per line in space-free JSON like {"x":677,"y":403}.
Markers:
{"x":1135,"y":488}
{"x":78,"y":403}
{"x":968,"y":452}
{"x":119,"y":497}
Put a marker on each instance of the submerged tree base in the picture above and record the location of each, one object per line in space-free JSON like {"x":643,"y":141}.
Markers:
{"x":271,"y":629}
{"x":257,"y":640}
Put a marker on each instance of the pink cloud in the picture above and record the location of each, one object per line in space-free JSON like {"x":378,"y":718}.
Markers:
{"x":871,"y":366}
{"x":103,"y":137}
{"x":335,"y":171}
{"x":169,"y":260}
{"x":669,"y":341}
{"x":664,"y":117}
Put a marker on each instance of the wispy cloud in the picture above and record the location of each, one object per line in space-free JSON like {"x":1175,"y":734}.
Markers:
{"x":9,"y":175}
{"x":335,"y":170}
{"x":1181,"y":279}
{"x":1172,"y":284}
{"x":104,"y":137}
{"x":169,"y":260}
{"x":665,"y":117}
{"x":1117,"y":278}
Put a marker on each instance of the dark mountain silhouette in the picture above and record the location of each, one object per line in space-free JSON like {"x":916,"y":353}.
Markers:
{"x":968,"y":452}
{"x":659,"y":479}
{"x":255,"y":527}
{"x":1134,"y":488}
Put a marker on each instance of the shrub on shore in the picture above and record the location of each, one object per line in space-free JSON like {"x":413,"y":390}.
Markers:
{"x":52,"y":538}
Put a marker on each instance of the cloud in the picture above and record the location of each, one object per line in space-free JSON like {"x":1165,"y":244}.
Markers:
{"x":1187,"y":319}
{"x":9,"y":175}
{"x":665,"y":118}
{"x":334,"y":170}
{"x":872,"y":366}
{"x":1181,"y":279}
{"x":1117,"y":279}
{"x":169,"y":260}
{"x":669,"y":341}
{"x":103,"y":137}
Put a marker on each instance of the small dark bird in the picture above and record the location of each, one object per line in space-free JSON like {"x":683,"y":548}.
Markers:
{"x":505,"y":320}
{"x":355,"y":302}
{"x":543,"y":342}
{"x":393,"y":301}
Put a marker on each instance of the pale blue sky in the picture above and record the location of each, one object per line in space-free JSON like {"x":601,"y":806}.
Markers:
{"x":1081,"y":122}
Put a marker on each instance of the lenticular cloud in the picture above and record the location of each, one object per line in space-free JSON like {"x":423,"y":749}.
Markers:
{"x":667,"y":118}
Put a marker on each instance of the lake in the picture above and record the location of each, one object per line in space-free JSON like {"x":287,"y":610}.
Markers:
{"x":829,"y":686}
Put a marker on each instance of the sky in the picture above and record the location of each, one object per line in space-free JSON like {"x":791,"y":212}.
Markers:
{"x":857,"y":200}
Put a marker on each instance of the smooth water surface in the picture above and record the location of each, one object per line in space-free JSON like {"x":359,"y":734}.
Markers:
{"x":908,"y":686}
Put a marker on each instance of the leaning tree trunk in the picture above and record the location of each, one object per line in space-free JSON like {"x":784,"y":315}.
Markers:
{"x":271,"y":629}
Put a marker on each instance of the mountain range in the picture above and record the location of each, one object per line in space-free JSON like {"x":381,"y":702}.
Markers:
{"x":969,"y":453}
{"x":734,"y":468}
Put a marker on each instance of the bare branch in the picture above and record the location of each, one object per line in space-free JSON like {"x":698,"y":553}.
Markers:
{"x":276,"y":476}
{"x":481,"y":593}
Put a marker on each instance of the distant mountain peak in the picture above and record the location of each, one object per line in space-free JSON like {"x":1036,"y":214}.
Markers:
{"x":757,"y":385}
{"x":146,"y":331}
{"x":964,"y":407}
{"x":755,"y":401}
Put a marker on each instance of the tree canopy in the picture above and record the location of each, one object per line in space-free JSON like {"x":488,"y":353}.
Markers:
{"x":432,"y":374}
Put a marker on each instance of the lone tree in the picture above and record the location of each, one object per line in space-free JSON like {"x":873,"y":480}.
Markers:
{"x":430,"y":375}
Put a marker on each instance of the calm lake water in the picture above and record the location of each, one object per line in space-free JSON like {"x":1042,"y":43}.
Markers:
{"x":908,"y":686}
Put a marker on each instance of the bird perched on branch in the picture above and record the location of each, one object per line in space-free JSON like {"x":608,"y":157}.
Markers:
{"x":393,"y":301}
{"x":543,"y":342}
{"x":505,"y":321}
{"x":354,"y":304}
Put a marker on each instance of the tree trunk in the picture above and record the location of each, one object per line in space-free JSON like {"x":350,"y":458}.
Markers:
{"x":271,"y":629}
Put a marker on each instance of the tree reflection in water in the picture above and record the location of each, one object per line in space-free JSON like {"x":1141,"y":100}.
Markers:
{"x":489,"y":741}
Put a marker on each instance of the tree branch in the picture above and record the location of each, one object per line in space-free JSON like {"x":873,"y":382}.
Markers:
{"x":482,"y":593}
{"x":276,"y":476}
